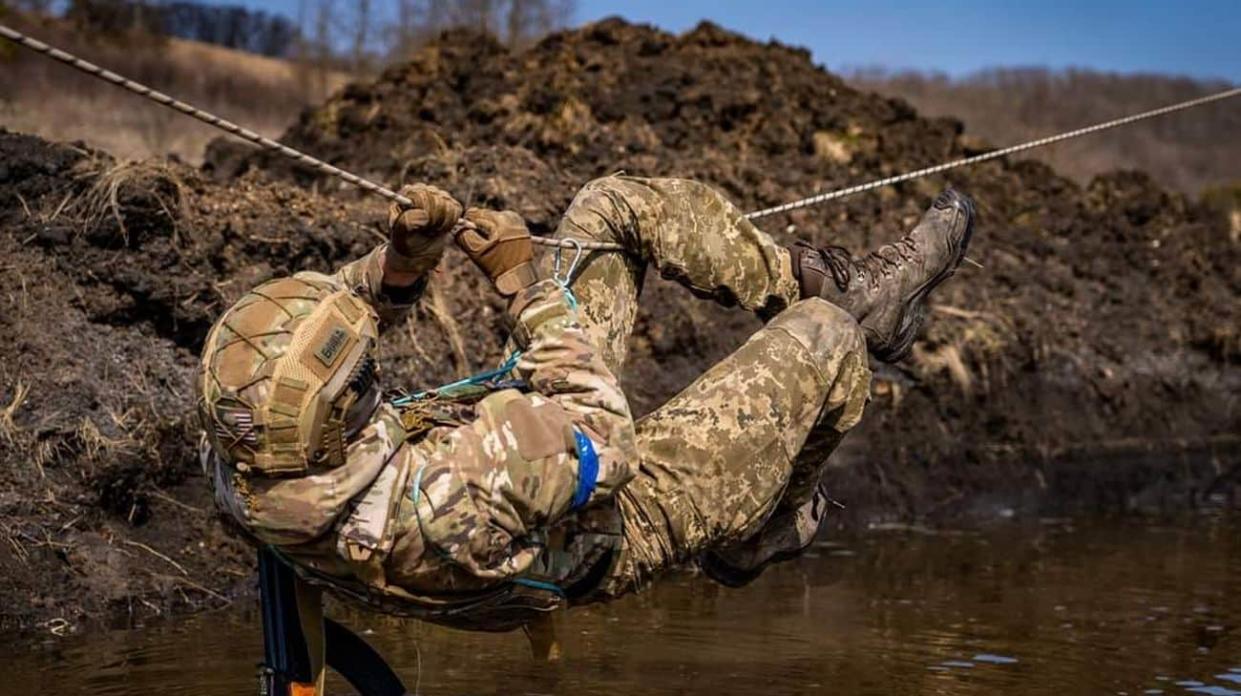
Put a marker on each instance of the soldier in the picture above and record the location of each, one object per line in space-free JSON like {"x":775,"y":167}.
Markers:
{"x":482,"y":511}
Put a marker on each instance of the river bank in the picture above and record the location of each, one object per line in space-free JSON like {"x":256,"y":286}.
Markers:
{"x":1027,"y":609}
{"x":1090,"y":364}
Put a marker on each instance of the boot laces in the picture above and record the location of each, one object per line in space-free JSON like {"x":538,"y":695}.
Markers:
{"x":839,"y":264}
{"x":888,"y":258}
{"x":878,"y":264}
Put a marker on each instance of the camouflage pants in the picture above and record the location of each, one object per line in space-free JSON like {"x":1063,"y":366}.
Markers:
{"x":750,"y":436}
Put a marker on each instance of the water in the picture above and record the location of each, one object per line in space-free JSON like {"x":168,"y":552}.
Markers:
{"x":1051,"y":608}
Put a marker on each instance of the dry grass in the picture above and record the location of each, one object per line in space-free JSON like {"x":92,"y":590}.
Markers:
{"x":94,"y":442}
{"x":1189,"y":151}
{"x":965,"y":343}
{"x":945,"y":358}
{"x":9,"y":428}
{"x":54,"y":101}
{"x":442,"y":315}
{"x":111,"y":182}
{"x":273,"y":72}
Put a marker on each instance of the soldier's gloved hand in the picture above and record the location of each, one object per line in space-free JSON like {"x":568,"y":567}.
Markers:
{"x":500,"y":246}
{"x":418,"y":233}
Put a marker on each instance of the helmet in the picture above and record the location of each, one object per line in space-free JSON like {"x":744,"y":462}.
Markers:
{"x":288,"y":373}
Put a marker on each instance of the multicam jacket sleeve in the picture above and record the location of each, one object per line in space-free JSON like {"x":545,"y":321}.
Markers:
{"x":365,"y":277}
{"x":484,"y":493}
{"x":560,"y":362}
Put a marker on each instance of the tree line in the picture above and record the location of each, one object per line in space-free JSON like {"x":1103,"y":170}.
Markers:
{"x":352,"y":34}
{"x":1192,"y":151}
{"x":232,"y":26}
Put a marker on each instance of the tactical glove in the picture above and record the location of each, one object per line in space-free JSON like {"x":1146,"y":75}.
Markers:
{"x":419,"y":232}
{"x":499,"y":244}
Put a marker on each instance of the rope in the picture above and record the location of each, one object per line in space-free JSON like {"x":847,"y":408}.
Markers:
{"x":193,"y":112}
{"x":489,"y":379}
{"x":245,"y":133}
{"x":841,"y":193}
{"x":325,"y":168}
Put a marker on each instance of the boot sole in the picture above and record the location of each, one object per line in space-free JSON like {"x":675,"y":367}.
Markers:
{"x":731,"y":576}
{"x":915,"y":312}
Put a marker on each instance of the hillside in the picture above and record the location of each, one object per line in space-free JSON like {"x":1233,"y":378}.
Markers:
{"x":1189,"y":152}
{"x":51,"y":100}
{"x":1092,"y":363}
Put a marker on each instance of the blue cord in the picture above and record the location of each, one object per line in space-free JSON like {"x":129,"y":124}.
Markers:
{"x":562,"y":279}
{"x":481,"y":378}
{"x":569,"y":298}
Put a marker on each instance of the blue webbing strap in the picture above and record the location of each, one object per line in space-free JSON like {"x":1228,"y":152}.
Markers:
{"x":587,"y":470}
{"x":562,"y":279}
{"x":539,"y":585}
{"x":587,"y":477}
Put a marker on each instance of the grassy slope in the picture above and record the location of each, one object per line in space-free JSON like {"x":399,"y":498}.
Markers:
{"x":53,"y":101}
{"x":1190,"y":151}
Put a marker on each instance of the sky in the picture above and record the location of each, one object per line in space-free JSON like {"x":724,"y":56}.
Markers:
{"x":1198,"y":38}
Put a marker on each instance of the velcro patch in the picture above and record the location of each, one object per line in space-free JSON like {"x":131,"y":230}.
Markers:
{"x":330,"y":349}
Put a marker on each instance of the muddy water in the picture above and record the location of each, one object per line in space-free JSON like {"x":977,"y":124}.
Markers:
{"x":1051,"y":608}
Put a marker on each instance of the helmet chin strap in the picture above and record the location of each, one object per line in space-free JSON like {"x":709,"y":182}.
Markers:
{"x":359,"y":414}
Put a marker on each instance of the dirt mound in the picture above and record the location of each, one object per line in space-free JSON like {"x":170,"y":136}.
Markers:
{"x":113,"y":273}
{"x":1102,"y":315}
{"x":1104,"y":319}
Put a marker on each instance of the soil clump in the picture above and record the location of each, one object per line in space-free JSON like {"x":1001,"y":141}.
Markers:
{"x":1090,"y":363}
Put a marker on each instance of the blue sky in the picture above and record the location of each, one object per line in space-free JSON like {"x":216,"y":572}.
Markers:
{"x":1200,"y":38}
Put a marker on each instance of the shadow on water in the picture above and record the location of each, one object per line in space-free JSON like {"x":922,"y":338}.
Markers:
{"x":1058,"y":607}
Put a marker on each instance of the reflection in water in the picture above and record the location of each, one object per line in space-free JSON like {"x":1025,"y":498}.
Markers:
{"x":1050,"y":609}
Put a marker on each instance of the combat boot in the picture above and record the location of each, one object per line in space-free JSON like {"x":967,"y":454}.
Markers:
{"x":886,"y":290}
{"x":783,"y":537}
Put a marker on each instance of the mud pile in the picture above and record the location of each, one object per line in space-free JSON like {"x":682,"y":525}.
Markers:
{"x":1104,"y":317}
{"x":1104,"y":320}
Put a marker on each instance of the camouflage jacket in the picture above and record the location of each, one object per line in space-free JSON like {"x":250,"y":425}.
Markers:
{"x":519,"y":486}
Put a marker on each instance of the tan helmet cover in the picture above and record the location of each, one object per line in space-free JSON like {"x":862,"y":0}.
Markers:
{"x":280,"y":370}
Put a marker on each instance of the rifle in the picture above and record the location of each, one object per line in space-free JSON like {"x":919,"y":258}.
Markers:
{"x":298,"y":640}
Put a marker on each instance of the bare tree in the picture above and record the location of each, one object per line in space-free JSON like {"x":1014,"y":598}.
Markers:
{"x":516,"y":22}
{"x":360,"y":54}
{"x":342,"y":34}
{"x":314,"y":52}
{"x":529,"y":20}
{"x":33,"y":6}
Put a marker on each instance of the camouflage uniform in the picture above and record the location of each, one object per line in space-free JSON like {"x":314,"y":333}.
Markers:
{"x":497,"y":494}
{"x":750,"y":436}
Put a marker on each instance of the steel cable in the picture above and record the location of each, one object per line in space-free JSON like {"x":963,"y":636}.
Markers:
{"x":366,"y":185}
{"x":245,"y":133}
{"x":1002,"y":152}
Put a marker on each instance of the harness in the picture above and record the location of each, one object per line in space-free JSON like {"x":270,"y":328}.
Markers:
{"x":515,"y":603}
{"x":520,"y":601}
